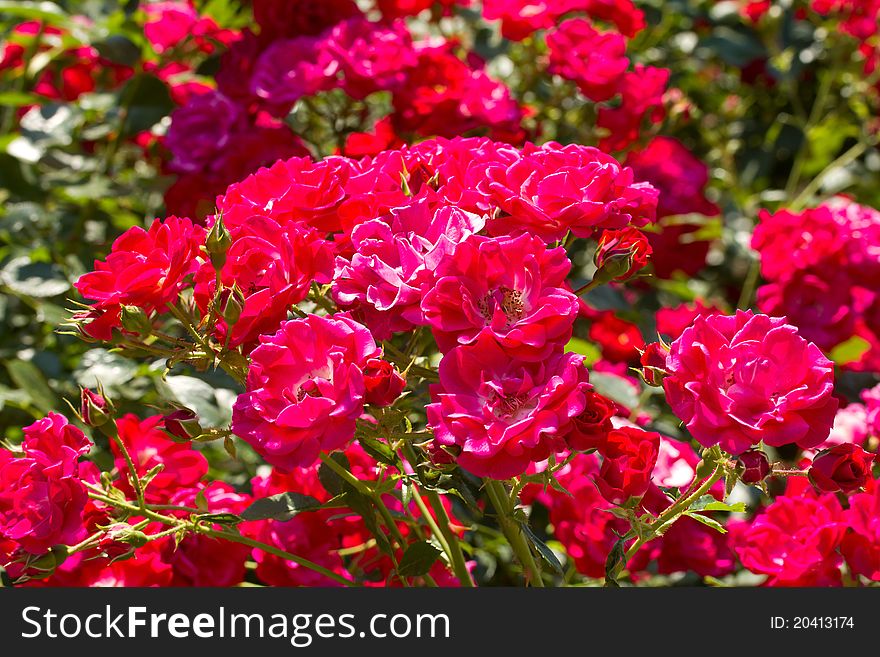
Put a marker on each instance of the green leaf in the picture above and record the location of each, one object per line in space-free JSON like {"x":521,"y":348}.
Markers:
{"x":379,"y":450}
{"x":148,"y":101}
{"x":614,"y":562}
{"x":590,"y":351}
{"x":19,"y":98}
{"x":709,"y":503}
{"x":281,"y":507}
{"x":332,"y":482}
{"x":615,"y":388}
{"x":543,"y":550}
{"x":706,"y":520}
{"x":220,"y":518}
{"x":735,"y":47}
{"x":48,"y":12}
{"x":208,"y":402}
{"x":119,"y":49}
{"x":30,"y":379}
{"x":100,"y":366}
{"x":417,"y":559}
{"x":34,"y":279}
{"x":850,"y":351}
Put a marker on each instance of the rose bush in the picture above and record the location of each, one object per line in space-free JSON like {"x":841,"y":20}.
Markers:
{"x":452,"y":293}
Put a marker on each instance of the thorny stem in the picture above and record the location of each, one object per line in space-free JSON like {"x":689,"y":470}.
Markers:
{"x":513,"y":532}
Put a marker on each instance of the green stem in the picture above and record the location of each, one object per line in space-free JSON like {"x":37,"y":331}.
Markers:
{"x":459,"y":564}
{"x":287,"y":556}
{"x":178,"y":524}
{"x":135,"y":479}
{"x":673,"y":512}
{"x":359,"y":486}
{"x":849,"y":156}
{"x":512,"y":531}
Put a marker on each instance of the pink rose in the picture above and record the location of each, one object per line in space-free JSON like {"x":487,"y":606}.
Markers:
{"x":501,"y":413}
{"x":593,"y":60}
{"x":739,"y":380}
{"x":507,"y":288}
{"x":305,"y":389}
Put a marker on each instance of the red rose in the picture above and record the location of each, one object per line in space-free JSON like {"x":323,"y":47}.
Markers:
{"x":757,"y":466}
{"x":630,"y":455}
{"x":593,"y":424}
{"x":382,"y":382}
{"x":845,"y":467}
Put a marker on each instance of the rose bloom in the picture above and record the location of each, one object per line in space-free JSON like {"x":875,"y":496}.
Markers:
{"x":145,"y":268}
{"x":794,"y":540}
{"x":861,"y":547}
{"x":445,"y":96}
{"x":507,"y":288}
{"x":371,"y":57}
{"x":394,"y":258}
{"x":149,"y":446}
{"x":501,"y":413}
{"x":591,"y":426}
{"x":739,"y":380}
{"x":641,"y":97}
{"x":819,"y":305}
{"x":671,"y":322}
{"x":290,"y":69}
{"x":623,"y":13}
{"x":790,"y":241}
{"x":296,"y":190}
{"x":593,"y":60}
{"x":42,"y":497}
{"x":845,"y":467}
{"x":383,"y":383}
{"x":630,"y":455}
{"x":200,"y":131}
{"x":305,"y":389}
{"x":552,"y":189}
{"x":620,"y":341}
{"x":274,"y":267}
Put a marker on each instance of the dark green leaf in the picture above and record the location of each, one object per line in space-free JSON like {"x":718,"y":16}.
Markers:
{"x":379,"y":450}
{"x":709,"y":503}
{"x":281,"y":507}
{"x":615,"y":388}
{"x":543,"y":550}
{"x":332,"y":482}
{"x":417,"y":559}
{"x":706,"y":520}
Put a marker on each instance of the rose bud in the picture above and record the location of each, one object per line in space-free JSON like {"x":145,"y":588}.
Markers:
{"x":183,"y":424}
{"x":621,"y":254}
{"x":218,"y":242}
{"x":653,"y":362}
{"x":94,"y":410}
{"x":592,"y":425}
{"x":845,"y":467}
{"x":383,"y":383}
{"x":135,"y":320}
{"x":630,"y":455}
{"x":756,"y":466}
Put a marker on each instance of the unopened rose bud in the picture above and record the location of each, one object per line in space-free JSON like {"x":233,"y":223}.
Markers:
{"x":653,"y":362}
{"x":218,"y":242}
{"x":135,"y":320}
{"x":383,"y":382}
{"x":51,"y":560}
{"x":232,"y":306}
{"x":621,"y":254}
{"x":845,"y":467}
{"x":94,"y":409}
{"x":183,"y":424}
{"x":756,"y":466}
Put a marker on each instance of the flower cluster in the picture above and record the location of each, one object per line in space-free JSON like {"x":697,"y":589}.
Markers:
{"x":822,"y":268}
